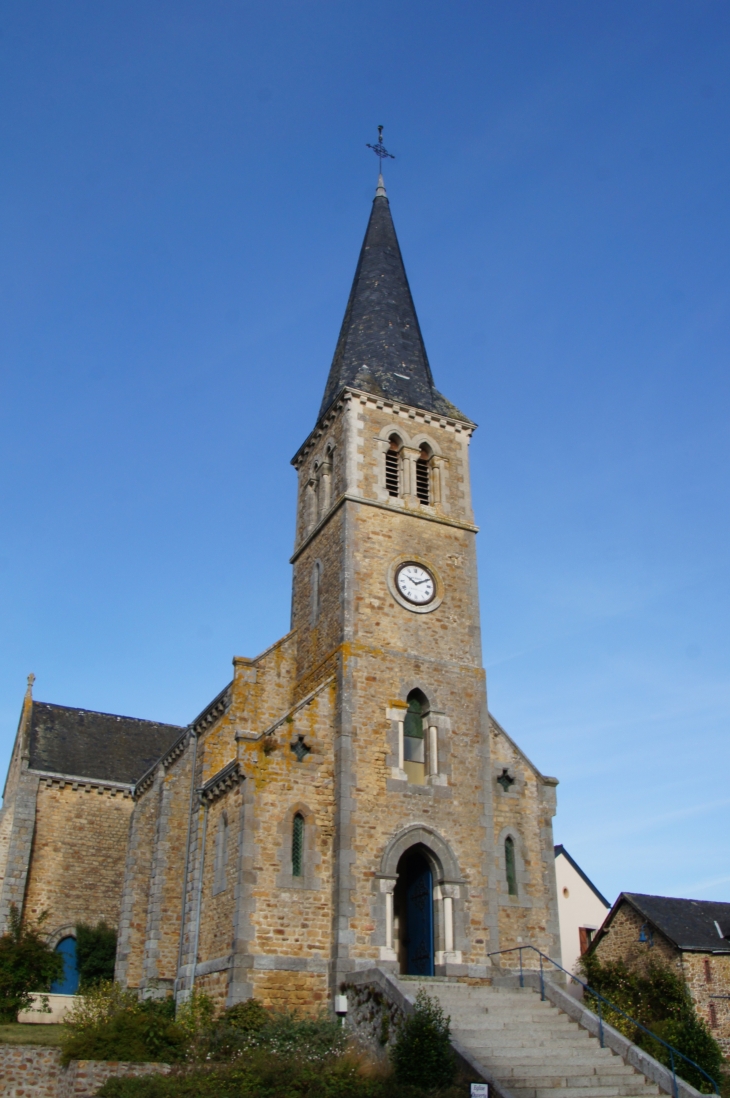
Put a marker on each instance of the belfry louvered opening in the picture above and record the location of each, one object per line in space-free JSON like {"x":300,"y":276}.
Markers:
{"x":422,"y":476}
{"x":392,"y":466}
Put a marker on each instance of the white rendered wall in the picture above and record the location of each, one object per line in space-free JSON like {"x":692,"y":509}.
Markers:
{"x":580,"y":907}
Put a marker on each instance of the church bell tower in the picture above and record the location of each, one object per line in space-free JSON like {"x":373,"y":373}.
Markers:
{"x":385,"y":600}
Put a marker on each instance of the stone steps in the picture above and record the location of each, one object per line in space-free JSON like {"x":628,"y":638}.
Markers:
{"x":528,"y":1046}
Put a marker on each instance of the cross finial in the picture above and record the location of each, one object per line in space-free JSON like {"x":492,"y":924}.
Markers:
{"x":31,"y":680}
{"x":380,"y":150}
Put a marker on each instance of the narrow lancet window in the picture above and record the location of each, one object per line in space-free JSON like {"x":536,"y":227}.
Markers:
{"x":392,"y":467}
{"x":509,"y":865}
{"x":221,"y":855}
{"x":423,"y":476}
{"x":297,"y":846}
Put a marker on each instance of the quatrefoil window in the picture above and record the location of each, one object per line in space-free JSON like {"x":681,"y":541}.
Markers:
{"x":505,"y":780}
{"x":300,"y":748}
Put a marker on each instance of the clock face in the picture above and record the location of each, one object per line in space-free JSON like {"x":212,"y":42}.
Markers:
{"x":415,"y":583}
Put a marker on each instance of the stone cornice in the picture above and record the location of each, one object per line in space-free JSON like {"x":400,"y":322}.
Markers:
{"x":397,"y":407}
{"x":212,"y":712}
{"x":227,"y":778}
{"x":78,"y":782}
{"x":349,"y":497}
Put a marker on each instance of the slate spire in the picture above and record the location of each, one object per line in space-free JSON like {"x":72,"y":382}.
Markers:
{"x":381,"y":349}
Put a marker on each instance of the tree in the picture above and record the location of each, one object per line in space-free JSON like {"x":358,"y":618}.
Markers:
{"x":96,"y":948}
{"x":422,"y":1054}
{"x":27,"y":964}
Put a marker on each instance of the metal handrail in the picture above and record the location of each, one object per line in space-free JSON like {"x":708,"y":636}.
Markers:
{"x":602,"y":999}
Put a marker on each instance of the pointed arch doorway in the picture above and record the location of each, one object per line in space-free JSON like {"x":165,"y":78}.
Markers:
{"x":413,"y":909}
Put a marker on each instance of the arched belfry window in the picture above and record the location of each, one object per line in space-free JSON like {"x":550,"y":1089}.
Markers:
{"x":423,"y":475}
{"x":392,"y":466}
{"x":297,"y":846}
{"x":510,"y":866}
{"x":414,"y":745}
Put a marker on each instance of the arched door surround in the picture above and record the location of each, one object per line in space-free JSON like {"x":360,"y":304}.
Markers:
{"x":448,"y":886}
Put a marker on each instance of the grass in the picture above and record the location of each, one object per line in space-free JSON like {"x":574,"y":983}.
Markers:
{"x":30,"y":1033}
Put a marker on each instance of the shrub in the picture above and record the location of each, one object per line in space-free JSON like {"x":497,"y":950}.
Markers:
{"x":692,"y":1037}
{"x":27,"y":965}
{"x":422,"y":1054}
{"x":660,"y":1000}
{"x":260,"y":1075}
{"x":96,"y":948}
{"x":108,"y":1023}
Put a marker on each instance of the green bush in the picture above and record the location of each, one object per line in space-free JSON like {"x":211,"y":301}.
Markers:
{"x":96,"y":948}
{"x":261,"y":1075}
{"x":692,"y":1037}
{"x":27,"y":965}
{"x":422,"y":1054}
{"x":660,"y":1000}
{"x":110,"y":1024}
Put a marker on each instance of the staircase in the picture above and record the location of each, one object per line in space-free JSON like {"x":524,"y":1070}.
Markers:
{"x":528,"y":1047}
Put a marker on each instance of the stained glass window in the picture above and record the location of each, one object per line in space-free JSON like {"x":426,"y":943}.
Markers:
{"x":297,"y":845}
{"x":509,"y":865}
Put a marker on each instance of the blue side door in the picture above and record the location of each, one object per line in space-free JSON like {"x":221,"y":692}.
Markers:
{"x":69,"y":985}
{"x":419,"y":917}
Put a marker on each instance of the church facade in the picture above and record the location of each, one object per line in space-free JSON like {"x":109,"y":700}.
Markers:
{"x":347,"y":801}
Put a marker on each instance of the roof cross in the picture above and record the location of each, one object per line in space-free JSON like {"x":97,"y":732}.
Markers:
{"x":380,"y":150}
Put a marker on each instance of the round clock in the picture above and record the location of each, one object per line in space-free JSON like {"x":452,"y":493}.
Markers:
{"x":415,"y":583}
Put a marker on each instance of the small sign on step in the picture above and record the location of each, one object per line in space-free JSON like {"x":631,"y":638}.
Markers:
{"x":480,"y":1090}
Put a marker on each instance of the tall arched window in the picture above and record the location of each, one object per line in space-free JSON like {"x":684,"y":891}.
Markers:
{"x":510,"y":866}
{"x":392,"y":466}
{"x":414,"y":752}
{"x":423,"y":475}
{"x":316,"y":591}
{"x":297,"y":846}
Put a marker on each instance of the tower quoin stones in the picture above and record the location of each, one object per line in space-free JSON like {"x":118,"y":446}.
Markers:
{"x":347,"y":801}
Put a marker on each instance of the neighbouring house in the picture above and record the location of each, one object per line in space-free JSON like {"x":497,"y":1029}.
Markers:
{"x":690,"y":936}
{"x":581,"y":908}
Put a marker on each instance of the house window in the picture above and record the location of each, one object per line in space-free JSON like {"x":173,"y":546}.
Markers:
{"x":509,"y":865}
{"x":423,"y":476}
{"x":414,"y":747}
{"x":221,"y":855}
{"x":713,"y":1016}
{"x":297,"y":846}
{"x":708,"y":972}
{"x":392,"y":466}
{"x":585,"y":934}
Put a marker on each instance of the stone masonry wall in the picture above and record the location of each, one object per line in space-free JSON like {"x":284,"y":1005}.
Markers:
{"x":622,"y":943}
{"x":79,"y":851}
{"x":135,"y":896}
{"x":164,"y":904}
{"x":34,"y":1071}
{"x":708,"y":979}
{"x":524,"y":811}
{"x":707,"y":974}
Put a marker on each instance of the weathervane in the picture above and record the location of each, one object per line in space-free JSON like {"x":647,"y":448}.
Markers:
{"x":380,"y":150}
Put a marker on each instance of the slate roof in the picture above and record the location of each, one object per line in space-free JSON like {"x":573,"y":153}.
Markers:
{"x":85,"y":744}
{"x":560,"y":849}
{"x":380,"y":349}
{"x":692,"y":925}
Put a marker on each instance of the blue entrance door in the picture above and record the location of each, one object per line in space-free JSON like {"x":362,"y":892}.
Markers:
{"x":419,"y":918}
{"x":69,"y":984}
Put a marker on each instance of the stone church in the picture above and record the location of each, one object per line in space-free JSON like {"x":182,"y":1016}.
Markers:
{"x":347,"y":800}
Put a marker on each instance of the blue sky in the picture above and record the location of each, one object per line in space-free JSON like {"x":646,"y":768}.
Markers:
{"x":184,"y":193}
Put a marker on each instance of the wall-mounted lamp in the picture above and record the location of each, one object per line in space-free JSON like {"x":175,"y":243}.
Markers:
{"x":341,"y":1007}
